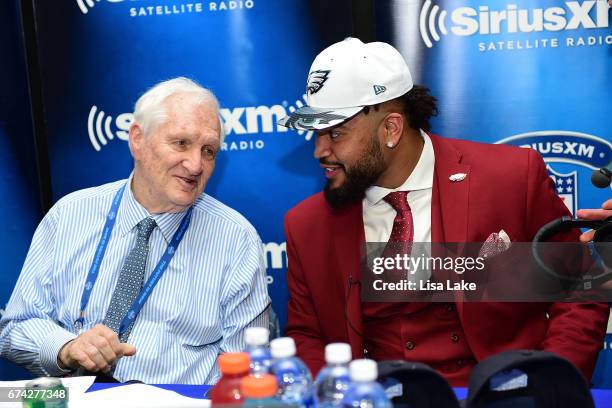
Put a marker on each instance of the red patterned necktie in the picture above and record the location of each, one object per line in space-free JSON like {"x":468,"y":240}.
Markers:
{"x":403,"y":226}
{"x":400,"y":241}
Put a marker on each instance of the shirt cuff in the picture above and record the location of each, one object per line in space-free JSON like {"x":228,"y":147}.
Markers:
{"x":50,"y":349}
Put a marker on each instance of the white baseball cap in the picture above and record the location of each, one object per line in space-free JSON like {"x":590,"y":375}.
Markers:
{"x":344,"y":78}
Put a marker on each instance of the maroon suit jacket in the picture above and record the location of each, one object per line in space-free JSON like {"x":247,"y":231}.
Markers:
{"x":506,"y":188}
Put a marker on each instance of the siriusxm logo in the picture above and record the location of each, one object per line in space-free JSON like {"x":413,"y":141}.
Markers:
{"x":239,"y":121}
{"x":560,"y":146}
{"x":259,"y":119}
{"x":563,"y":146}
{"x":253,"y":120}
{"x":467,"y":21}
{"x":275,"y":255}
{"x":101,"y":128}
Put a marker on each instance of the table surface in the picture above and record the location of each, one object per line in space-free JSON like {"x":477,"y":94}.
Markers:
{"x":192,"y":391}
{"x":602,"y":398}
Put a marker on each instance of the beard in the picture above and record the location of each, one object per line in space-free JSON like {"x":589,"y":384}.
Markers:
{"x":359,"y":177}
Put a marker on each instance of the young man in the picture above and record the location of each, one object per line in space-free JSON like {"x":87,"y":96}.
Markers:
{"x":388,"y":179}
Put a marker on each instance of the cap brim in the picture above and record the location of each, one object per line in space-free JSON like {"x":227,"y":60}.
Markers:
{"x":309,"y":118}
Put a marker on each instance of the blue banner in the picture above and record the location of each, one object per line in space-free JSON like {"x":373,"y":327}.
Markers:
{"x":531,"y":74}
{"x":534,"y":74}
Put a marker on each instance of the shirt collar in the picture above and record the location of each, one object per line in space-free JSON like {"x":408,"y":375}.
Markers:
{"x":131,"y":212}
{"x":421,"y":177}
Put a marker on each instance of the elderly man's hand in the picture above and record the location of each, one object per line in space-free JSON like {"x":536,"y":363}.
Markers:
{"x":97,"y":349}
{"x":594,"y":214}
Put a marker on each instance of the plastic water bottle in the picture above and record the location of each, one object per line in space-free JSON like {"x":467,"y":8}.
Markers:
{"x":334,"y":379}
{"x":293,"y":378}
{"x":259,"y":391}
{"x":256,"y":339}
{"x":364,"y":391}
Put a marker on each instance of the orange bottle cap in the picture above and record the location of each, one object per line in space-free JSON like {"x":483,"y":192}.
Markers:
{"x":260,"y":386}
{"x":234,"y":363}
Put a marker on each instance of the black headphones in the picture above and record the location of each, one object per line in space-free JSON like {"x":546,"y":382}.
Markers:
{"x":602,"y":241}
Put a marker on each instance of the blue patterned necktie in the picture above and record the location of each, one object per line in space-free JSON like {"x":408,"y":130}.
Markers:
{"x":130,"y":280}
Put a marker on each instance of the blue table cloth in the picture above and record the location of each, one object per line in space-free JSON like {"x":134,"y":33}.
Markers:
{"x":602,"y":398}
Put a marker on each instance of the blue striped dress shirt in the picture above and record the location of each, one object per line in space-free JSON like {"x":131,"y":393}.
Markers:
{"x":213,"y":288}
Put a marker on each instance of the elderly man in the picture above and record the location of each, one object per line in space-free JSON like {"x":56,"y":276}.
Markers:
{"x":390,"y":180}
{"x":147,"y":278}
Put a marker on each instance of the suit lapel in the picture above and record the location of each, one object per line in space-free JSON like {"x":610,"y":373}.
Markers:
{"x":449,"y":209}
{"x":349,"y":237}
{"x":449,"y":199}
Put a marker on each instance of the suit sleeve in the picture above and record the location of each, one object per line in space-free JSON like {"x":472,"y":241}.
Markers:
{"x":575,"y":330}
{"x":302,"y":322}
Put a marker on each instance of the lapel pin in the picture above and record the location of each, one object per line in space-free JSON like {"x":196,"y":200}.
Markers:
{"x":457,"y":177}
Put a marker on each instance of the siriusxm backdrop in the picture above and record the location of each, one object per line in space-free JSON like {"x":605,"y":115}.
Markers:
{"x":529,"y":73}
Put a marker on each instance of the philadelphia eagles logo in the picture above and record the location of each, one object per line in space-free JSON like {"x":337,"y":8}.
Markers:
{"x":316,"y":79}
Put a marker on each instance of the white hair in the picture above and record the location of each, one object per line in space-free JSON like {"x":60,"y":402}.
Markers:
{"x":150,"y":111}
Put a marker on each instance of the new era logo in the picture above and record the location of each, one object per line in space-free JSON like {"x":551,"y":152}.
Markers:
{"x":378,"y":89}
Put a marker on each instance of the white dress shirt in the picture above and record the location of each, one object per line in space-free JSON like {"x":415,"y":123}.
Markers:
{"x":213,"y":288}
{"x":378,"y":215}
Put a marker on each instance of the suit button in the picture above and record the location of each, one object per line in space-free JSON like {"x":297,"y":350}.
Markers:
{"x":410,"y":345}
{"x":454,"y":337}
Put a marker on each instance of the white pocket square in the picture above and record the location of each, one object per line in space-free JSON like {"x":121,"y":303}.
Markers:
{"x":495,"y":244}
